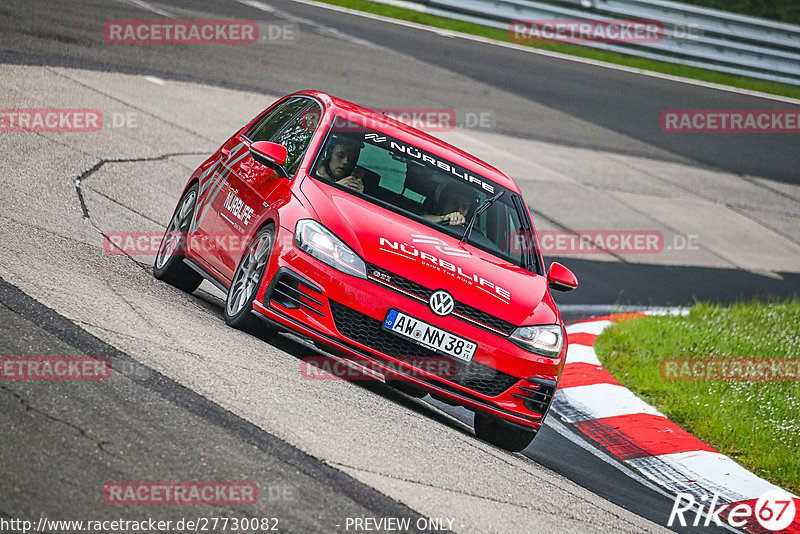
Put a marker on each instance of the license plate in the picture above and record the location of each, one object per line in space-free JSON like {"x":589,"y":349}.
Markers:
{"x":429,"y":336}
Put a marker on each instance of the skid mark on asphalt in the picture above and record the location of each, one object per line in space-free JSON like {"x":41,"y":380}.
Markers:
{"x":441,"y":488}
{"x":96,"y":167}
{"x":737,"y":208}
{"x":121,"y":205}
{"x":47,"y":231}
{"x":553,"y":423}
{"x":26,"y":404}
{"x":166,"y":348}
{"x":154,"y":326}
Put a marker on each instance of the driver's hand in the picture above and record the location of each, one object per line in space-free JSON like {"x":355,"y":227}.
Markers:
{"x":453,"y":219}
{"x":353,"y":183}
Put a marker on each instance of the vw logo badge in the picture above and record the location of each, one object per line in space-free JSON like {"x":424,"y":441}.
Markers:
{"x":441,"y":303}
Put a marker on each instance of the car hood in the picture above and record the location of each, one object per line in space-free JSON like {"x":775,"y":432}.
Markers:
{"x":422,"y":254}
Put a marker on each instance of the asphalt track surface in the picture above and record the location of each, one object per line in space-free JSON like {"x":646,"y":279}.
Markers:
{"x":105,"y":440}
{"x":610,"y":105}
{"x":528,"y":96}
{"x":606,"y":99}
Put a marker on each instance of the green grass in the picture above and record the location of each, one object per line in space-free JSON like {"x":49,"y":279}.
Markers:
{"x":741,"y":82}
{"x":757,"y":423}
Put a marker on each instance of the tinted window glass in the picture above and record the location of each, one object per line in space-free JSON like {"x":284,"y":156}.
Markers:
{"x":270,"y":125}
{"x":296,"y":135}
{"x":426,"y":188}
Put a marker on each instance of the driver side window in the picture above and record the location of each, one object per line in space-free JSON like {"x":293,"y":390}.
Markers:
{"x":272,"y":122}
{"x":292,"y":125}
{"x":296,"y":135}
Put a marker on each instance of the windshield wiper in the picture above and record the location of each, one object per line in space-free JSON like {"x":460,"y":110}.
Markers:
{"x":483,"y":207}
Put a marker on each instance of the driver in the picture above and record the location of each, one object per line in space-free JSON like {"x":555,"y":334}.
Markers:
{"x":454,"y":205}
{"x":339,"y":163}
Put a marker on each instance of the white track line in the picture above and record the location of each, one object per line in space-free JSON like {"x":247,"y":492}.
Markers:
{"x":148,"y":7}
{"x":319,"y":28}
{"x":588,"y":327}
{"x":610,"y":309}
{"x":598,"y":401}
{"x":565,"y":432}
{"x":582,"y":354}
{"x":739,"y":483}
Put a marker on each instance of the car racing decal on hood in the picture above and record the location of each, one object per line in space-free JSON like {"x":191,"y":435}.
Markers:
{"x":426,"y":259}
{"x":440,"y":245}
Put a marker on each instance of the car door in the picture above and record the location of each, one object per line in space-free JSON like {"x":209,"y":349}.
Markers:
{"x":252,"y":187}
{"x":205,"y":237}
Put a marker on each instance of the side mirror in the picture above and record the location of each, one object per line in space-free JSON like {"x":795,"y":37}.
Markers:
{"x":269,"y":154}
{"x":560,"y":278}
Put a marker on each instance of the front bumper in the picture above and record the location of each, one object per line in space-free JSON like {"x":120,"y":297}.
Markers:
{"x":346,"y":313}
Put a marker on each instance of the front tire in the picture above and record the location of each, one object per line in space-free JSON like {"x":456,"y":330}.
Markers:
{"x":502,"y":434}
{"x":169,"y":266}
{"x":246,"y":281}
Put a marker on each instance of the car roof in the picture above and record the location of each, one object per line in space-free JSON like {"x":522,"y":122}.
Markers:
{"x":409,"y":134}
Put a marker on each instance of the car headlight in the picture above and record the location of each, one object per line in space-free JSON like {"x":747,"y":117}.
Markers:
{"x":546,"y":340}
{"x":313,"y":238}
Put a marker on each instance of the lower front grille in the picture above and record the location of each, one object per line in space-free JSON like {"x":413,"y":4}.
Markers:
{"x":537,"y":395}
{"x":368,"y":331}
{"x":290,"y":290}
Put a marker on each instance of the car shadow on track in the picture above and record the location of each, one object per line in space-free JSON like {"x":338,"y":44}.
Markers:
{"x":302,"y":349}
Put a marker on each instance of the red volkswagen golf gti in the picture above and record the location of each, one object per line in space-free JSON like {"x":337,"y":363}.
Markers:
{"x":384,"y":245}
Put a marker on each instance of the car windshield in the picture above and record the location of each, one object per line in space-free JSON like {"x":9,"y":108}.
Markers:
{"x":426,"y":188}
